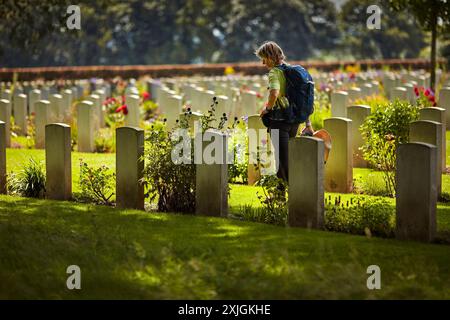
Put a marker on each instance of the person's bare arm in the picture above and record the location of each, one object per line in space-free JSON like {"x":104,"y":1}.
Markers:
{"x":273,"y":95}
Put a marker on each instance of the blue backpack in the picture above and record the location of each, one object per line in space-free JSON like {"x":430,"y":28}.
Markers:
{"x":299,"y":92}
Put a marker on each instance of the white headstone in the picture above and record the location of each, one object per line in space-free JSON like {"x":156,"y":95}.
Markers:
{"x":339,"y":167}
{"x":306,"y":173}
{"x":416,"y":194}
{"x":85,"y":122}
{"x":129,"y":167}
{"x":339,"y":102}
{"x":20,"y":113}
{"x":132,"y":119}
{"x":42,"y":108}
{"x":58,"y":161}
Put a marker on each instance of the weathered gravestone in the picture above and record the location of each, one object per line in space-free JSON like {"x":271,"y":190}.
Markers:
{"x":5,"y":116}
{"x":354,"y":94}
{"x":358,"y":115}
{"x":173,"y":110}
{"x":429,"y":132}
{"x":42,"y":108}
{"x":132,"y":119}
{"x":20,"y":113}
{"x":6,"y":95}
{"x":416,"y":194}
{"x":437,"y":115}
{"x":99,"y":121}
{"x":339,"y":101}
{"x":85,"y":122}
{"x":339,"y":167}
{"x":67,"y":104}
{"x":444,"y":103}
{"x":129,"y":167}
{"x":211,"y":196}
{"x":399,"y":93}
{"x":58,"y":162}
{"x":2,"y":157}
{"x":306,"y":191}
{"x":33,"y":97}
{"x":56,"y":101}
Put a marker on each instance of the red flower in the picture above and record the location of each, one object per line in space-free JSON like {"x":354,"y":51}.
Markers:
{"x":431,"y":99}
{"x":145,"y":95}
{"x":125,"y":110}
{"x":416,"y":91}
{"x":122,"y":108}
{"x":434,"y":104}
{"x":427,"y":92}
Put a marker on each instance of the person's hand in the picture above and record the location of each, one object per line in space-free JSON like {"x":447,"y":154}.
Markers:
{"x":264,"y":111}
{"x":307,"y":131}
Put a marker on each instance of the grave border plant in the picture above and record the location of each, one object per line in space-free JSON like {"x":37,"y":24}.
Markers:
{"x":383,"y":130}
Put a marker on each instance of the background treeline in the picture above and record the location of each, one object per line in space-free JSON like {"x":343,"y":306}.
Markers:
{"x":34,"y":33}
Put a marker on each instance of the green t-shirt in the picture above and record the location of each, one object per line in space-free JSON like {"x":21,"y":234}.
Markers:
{"x":277,"y":81}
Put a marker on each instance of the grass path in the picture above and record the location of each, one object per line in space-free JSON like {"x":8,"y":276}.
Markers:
{"x":137,"y":255}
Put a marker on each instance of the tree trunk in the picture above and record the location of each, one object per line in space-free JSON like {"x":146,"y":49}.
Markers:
{"x":433,"y":50}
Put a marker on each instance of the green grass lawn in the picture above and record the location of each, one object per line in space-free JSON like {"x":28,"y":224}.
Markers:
{"x":135,"y":254}
{"x":138,"y":255}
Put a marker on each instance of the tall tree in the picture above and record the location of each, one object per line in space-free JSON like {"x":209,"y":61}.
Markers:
{"x":434,"y":16}
{"x":400,"y":35}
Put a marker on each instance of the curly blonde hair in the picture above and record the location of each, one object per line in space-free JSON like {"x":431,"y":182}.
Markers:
{"x":270,"y":50}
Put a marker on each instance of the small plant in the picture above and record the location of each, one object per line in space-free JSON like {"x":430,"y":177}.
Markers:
{"x":30,"y":182}
{"x":97,"y":185}
{"x":360,"y":215}
{"x":382,"y":132}
{"x":273,"y":199}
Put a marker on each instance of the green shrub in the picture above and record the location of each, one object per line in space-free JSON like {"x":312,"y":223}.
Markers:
{"x":97,"y":185}
{"x":370,"y":216}
{"x":173,"y":185}
{"x":238,"y":145}
{"x":273,"y":199}
{"x":30,"y":182}
{"x":382,"y":132}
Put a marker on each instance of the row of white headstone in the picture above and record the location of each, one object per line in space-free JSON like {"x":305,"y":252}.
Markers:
{"x":416,"y":193}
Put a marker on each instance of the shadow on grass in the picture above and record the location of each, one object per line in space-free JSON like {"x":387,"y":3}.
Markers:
{"x":126,"y":254}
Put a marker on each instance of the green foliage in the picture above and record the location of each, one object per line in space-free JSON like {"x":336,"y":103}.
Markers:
{"x":172,"y":184}
{"x":97,"y":185}
{"x":399,"y":37}
{"x":383,"y":131}
{"x":359,"y":215}
{"x":238,"y":144}
{"x":273,"y":200}
{"x":29,"y":182}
